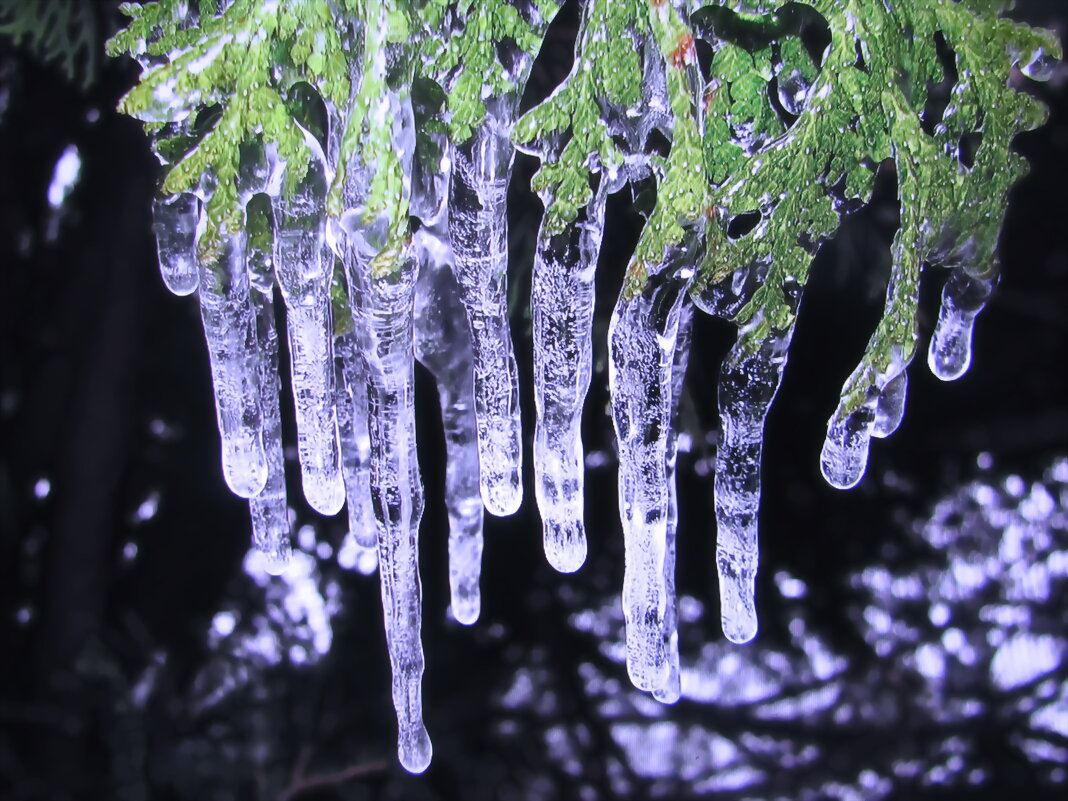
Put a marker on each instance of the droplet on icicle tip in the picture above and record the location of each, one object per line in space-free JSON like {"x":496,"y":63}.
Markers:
{"x":845,"y":450}
{"x":963,"y":297}
{"x":174,"y":222}
{"x":737,"y":592}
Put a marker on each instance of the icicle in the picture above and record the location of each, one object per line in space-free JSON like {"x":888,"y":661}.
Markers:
{"x":748,"y":381}
{"x":304,"y":268}
{"x":963,"y":297}
{"x":671,"y":689}
{"x":269,"y":509}
{"x":478,"y":230}
{"x":890,"y":408}
{"x":642,"y":341}
{"x":230,"y":330}
{"x":443,"y":345}
{"x":174,"y":221}
{"x":845,"y":450}
{"x":356,"y":450}
{"x":562,"y":300}
{"x":382,"y":297}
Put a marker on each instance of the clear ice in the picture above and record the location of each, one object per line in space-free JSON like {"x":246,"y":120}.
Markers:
{"x":174,"y":221}
{"x":748,"y":381}
{"x":269,"y":509}
{"x":355,"y":442}
{"x":963,"y":297}
{"x":230,"y":330}
{"x":304,"y":267}
{"x":478,"y":230}
{"x":642,"y":339}
{"x":562,"y":302}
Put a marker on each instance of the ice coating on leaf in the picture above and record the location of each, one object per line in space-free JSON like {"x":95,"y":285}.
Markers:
{"x":890,"y":408}
{"x":230,"y":330}
{"x":269,"y":509}
{"x":174,"y":222}
{"x":642,"y":339}
{"x":355,"y":442}
{"x":963,"y":297}
{"x":562,"y":302}
{"x":670,"y":691}
{"x":478,"y":230}
{"x":303,"y":265}
{"x":443,"y":345}
{"x":749,"y":378}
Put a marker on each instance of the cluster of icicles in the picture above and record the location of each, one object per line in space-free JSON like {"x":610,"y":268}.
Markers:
{"x":445,"y":303}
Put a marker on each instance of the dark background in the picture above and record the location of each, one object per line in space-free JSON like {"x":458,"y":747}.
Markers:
{"x":114,"y":684}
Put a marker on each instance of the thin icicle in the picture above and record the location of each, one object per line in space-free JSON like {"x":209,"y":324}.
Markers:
{"x":562,"y":301}
{"x":174,"y":221}
{"x":671,"y":689}
{"x":230,"y":330}
{"x":304,"y":268}
{"x":478,"y":230}
{"x":355,"y":439}
{"x":963,"y":297}
{"x":443,"y":345}
{"x":383,"y":307}
{"x":270,"y":509}
{"x":748,"y":381}
{"x":642,"y":340}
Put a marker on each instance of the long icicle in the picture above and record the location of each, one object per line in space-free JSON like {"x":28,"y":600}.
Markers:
{"x":478,"y":230}
{"x":671,"y":689}
{"x":270,"y":509}
{"x":748,"y":381}
{"x":642,"y":339}
{"x":230,"y":331}
{"x":562,"y":303}
{"x":443,"y":345}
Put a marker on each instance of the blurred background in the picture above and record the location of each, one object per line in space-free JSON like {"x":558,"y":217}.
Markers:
{"x":914,"y":630}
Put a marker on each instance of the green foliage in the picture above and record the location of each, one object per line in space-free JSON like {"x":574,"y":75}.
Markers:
{"x":61,"y":31}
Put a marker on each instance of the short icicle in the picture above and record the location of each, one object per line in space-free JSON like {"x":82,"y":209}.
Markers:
{"x":443,"y":345}
{"x":356,"y":450}
{"x":562,"y":301}
{"x":229,"y":321}
{"x":174,"y":222}
{"x":304,"y":267}
{"x":890,"y":408}
{"x":478,"y":230}
{"x":270,"y":509}
{"x":642,"y":339}
{"x":963,"y":297}
{"x":748,"y":381}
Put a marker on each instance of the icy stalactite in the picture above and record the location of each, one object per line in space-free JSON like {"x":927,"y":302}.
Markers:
{"x":642,"y":342}
{"x":748,"y":381}
{"x":478,"y":230}
{"x":355,"y":439}
{"x":963,"y":298}
{"x":304,"y":269}
{"x":844,"y":457}
{"x":670,"y":691}
{"x":229,"y":321}
{"x":443,"y":345}
{"x":382,"y":306}
{"x":269,"y":509}
{"x":562,"y":301}
{"x":174,"y":221}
